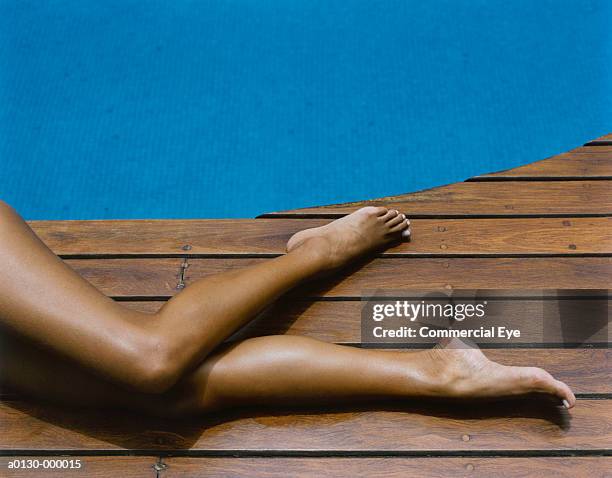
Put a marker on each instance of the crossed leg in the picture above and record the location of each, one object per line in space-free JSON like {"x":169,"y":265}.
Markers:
{"x":55,"y":324}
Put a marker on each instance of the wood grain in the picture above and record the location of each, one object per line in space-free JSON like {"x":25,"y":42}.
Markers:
{"x":547,"y":322}
{"x":91,"y":466}
{"x":387,"y":467}
{"x":526,"y":236}
{"x":132,"y":277}
{"x":159,"y":277}
{"x":518,"y":198}
{"x":465,"y":273}
{"x":586,"y":162}
{"x":518,"y":425}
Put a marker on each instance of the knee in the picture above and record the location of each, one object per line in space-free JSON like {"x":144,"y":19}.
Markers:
{"x":142,"y":360}
{"x":147,"y":360}
{"x":155,"y":370}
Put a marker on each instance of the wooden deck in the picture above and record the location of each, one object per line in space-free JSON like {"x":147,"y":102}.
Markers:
{"x":545,"y":225}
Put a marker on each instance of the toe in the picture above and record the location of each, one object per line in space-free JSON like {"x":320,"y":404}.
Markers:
{"x":401,"y":226}
{"x":565,"y":393}
{"x":375,"y":210}
{"x":371,"y":211}
{"x":541,"y":381}
{"x":395,"y":221}
{"x":390,"y":214}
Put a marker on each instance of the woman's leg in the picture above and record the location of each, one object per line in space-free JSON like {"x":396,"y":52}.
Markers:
{"x":43,"y":299}
{"x":293,"y":370}
{"x":47,"y":303}
{"x":283,"y":371}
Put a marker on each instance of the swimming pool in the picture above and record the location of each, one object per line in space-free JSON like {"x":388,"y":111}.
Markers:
{"x":157,"y":109}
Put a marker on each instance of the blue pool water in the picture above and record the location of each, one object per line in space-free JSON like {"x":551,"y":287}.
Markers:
{"x":134,"y":109}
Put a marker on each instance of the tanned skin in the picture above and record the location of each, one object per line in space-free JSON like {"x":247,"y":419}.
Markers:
{"x":63,"y":340}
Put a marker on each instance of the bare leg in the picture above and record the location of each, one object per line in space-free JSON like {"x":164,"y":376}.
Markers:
{"x":45,"y":301}
{"x":283,"y":370}
{"x":41,"y":298}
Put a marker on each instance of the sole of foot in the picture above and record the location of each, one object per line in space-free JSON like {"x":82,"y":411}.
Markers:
{"x":470,"y":374}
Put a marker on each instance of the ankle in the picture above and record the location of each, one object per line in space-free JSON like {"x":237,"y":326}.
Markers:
{"x":315,"y":250}
{"x":434,"y":374}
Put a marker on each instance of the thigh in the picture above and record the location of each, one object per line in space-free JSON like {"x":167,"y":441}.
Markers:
{"x":45,"y":300}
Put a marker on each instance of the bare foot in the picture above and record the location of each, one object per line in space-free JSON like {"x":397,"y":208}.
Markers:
{"x":467,"y":373}
{"x":345,"y":239}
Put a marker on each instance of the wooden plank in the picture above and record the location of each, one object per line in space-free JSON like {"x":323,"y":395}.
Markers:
{"x":605,"y":140}
{"x":80,"y":466}
{"x":563,"y":322}
{"x":378,"y":467}
{"x":550,"y":322}
{"x":133,"y":277}
{"x":269,"y":236}
{"x":518,"y":425}
{"x":463,"y":273}
{"x":587,"y":163}
{"x":486,"y":199}
{"x":169,"y":237}
{"x":159,"y":277}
